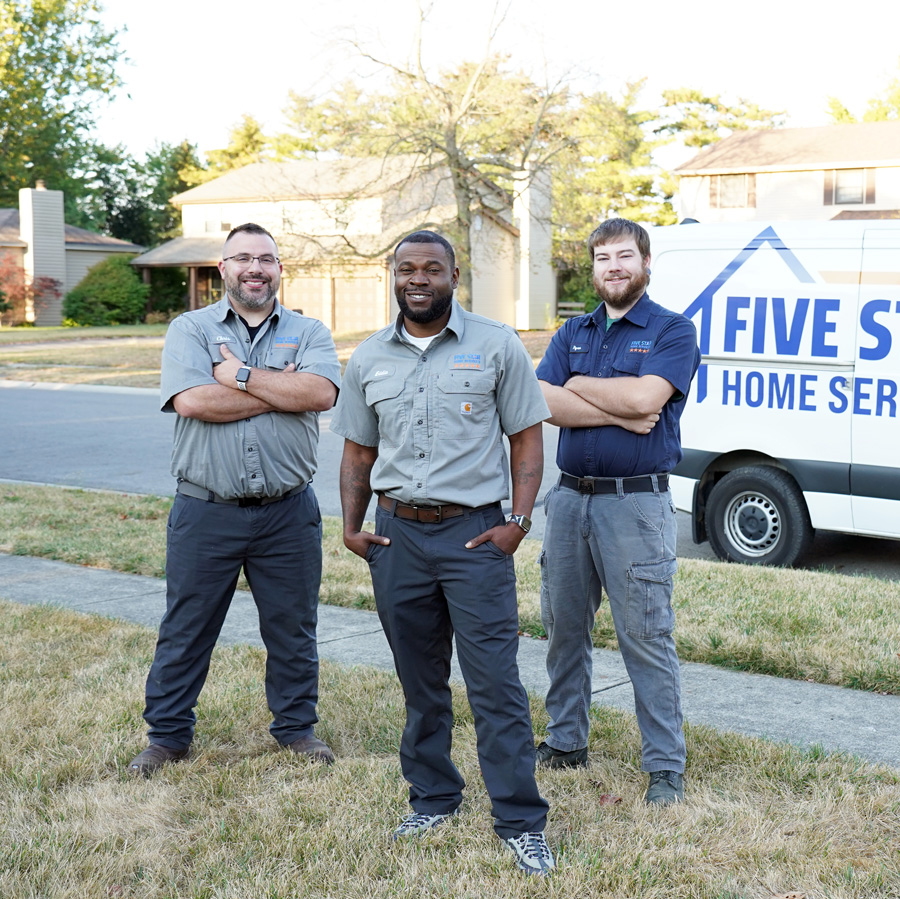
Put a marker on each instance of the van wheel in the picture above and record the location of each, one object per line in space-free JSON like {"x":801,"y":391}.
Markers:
{"x":758,"y":516}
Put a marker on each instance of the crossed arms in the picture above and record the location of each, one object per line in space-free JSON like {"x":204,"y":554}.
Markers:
{"x":632,"y":403}
{"x":267,"y":391}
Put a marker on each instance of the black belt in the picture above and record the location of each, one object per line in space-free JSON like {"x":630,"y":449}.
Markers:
{"x":642,"y":484}
{"x":198,"y":492}
{"x":427,"y":514}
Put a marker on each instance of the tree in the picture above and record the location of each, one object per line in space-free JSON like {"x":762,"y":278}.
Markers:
{"x":484,"y":125}
{"x":607,"y":171}
{"x":21,"y":297}
{"x":246,"y":144}
{"x":700,"y":120}
{"x":56,"y":62}
{"x":884,"y":108}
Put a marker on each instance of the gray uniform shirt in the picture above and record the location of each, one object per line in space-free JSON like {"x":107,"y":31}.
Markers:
{"x":265,"y":455}
{"x":437,"y":417}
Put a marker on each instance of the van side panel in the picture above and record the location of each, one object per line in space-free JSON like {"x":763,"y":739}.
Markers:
{"x":782,"y":312}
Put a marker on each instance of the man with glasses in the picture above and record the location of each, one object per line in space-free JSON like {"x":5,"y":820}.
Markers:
{"x":247,"y":379}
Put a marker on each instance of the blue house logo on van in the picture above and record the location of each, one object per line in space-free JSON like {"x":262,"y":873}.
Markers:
{"x":704,"y":302}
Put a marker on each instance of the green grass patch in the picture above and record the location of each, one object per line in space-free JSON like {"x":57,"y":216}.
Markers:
{"x":806,"y":625}
{"x":243,"y":819}
{"x":39,"y":334}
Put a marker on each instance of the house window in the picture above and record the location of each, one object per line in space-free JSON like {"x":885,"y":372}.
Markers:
{"x":732,"y":191}
{"x":214,"y":226}
{"x":848,"y":187}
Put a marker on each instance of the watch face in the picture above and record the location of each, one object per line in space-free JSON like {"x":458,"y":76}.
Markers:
{"x":243,"y":375}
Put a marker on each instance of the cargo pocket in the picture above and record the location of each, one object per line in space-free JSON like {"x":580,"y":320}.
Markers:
{"x":648,"y":601}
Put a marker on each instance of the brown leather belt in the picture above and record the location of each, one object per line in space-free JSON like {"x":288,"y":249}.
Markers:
{"x":642,"y":484}
{"x":427,"y":514}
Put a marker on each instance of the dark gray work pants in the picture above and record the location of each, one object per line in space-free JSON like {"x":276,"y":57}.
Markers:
{"x":280,"y":548}
{"x":428,"y":586}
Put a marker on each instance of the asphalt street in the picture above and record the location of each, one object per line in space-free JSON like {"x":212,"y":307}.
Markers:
{"x":116,"y":438}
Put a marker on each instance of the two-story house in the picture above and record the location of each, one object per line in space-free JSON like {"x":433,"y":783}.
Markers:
{"x":831,"y":172}
{"x":336,"y":222}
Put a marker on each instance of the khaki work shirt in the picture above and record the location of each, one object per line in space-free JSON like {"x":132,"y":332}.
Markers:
{"x":438,"y":416}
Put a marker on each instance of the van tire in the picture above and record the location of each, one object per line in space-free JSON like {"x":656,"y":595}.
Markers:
{"x":758,"y":516}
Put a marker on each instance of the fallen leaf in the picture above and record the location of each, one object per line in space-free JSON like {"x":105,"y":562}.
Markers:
{"x":790,"y":896}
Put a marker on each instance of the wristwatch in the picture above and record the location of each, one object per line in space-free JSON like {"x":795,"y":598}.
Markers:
{"x":242,"y":376}
{"x":523,"y":521}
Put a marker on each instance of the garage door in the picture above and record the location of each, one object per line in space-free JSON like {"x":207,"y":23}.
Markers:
{"x":358,"y":305}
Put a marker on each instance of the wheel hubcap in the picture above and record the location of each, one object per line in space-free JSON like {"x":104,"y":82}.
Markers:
{"x":752,"y":524}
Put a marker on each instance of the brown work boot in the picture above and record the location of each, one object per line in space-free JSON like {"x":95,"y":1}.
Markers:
{"x":312,"y":746}
{"x":154,"y":757}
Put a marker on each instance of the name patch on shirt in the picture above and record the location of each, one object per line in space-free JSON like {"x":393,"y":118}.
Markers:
{"x":578,"y":348}
{"x":223,"y":338}
{"x":467,"y":360}
{"x":384,"y":371}
{"x":640,"y":346}
{"x":287,"y":343}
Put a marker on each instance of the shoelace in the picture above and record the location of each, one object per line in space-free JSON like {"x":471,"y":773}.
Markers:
{"x":415,"y":821}
{"x":534,"y":847}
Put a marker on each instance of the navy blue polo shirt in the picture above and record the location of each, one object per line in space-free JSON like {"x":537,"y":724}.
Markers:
{"x":647,"y":340}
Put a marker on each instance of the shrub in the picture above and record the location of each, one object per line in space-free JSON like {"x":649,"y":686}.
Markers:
{"x":111,"y":293}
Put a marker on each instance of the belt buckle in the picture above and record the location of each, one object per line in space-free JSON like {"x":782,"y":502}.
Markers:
{"x":438,"y":514}
{"x":585,"y":485}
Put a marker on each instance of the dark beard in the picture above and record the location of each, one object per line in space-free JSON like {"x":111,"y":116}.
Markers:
{"x":617,"y":302}
{"x":235,"y":290}
{"x":439,"y":306}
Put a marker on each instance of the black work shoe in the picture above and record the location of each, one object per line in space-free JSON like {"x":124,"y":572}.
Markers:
{"x":547,"y":757}
{"x":154,"y":757}
{"x":666,"y":788}
{"x":312,"y":747}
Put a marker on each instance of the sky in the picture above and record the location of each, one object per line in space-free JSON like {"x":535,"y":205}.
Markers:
{"x":194,"y":67}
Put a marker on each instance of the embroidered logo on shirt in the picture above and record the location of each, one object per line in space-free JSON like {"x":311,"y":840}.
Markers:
{"x":465,"y":408}
{"x":640,"y":346}
{"x":223,"y":338}
{"x":287,"y":343}
{"x":467,"y":360}
{"x":578,"y":348}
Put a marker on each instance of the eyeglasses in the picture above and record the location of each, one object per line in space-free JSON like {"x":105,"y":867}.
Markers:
{"x":246,"y":259}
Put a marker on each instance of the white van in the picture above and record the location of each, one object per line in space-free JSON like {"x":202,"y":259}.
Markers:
{"x":792,"y":423}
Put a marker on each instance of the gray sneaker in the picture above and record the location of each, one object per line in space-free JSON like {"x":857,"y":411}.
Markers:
{"x":532,"y":853}
{"x":415,"y":825}
{"x":666,"y":788}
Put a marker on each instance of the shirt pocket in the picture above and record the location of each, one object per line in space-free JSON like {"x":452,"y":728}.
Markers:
{"x":385,"y":398}
{"x":277,"y":358}
{"x":215,"y":352}
{"x":629,"y":364}
{"x":579,"y":363}
{"x":466,"y":406}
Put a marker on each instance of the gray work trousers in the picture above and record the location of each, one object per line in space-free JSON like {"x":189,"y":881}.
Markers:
{"x":625,"y":543}
{"x":279,"y":547}
{"x":428,"y":587}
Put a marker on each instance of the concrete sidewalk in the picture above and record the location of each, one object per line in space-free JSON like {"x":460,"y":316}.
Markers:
{"x":840,"y":720}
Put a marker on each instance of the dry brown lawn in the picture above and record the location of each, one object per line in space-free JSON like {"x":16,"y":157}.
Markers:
{"x":243,"y":820}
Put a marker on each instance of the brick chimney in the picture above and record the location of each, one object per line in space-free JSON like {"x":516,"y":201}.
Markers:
{"x":42,"y":227}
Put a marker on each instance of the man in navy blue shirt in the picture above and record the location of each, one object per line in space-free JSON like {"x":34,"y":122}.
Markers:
{"x":616,"y":381}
